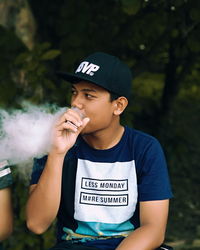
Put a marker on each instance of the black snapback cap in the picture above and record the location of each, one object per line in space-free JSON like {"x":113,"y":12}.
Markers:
{"x":104,"y":70}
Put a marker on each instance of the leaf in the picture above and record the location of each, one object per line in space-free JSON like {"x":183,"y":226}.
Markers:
{"x":131,"y":7}
{"x":49,"y":55}
{"x":194,"y":13}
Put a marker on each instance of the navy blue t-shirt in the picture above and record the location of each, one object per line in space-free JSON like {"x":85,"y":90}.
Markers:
{"x":101,"y":189}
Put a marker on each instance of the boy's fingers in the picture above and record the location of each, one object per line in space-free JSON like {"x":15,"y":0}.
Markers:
{"x":85,"y":122}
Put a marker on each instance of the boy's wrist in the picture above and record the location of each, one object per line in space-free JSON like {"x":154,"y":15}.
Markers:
{"x":55,"y":156}
{"x":57,"y":153}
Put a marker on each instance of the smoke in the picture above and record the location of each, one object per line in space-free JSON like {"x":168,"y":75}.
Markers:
{"x":26,"y":133}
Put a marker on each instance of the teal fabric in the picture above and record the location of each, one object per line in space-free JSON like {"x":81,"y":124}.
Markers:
{"x":5,"y":181}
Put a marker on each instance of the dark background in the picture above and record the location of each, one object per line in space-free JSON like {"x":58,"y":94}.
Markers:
{"x":158,"y":39}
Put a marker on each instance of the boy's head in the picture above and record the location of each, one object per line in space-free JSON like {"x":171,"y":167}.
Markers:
{"x":104,"y":70}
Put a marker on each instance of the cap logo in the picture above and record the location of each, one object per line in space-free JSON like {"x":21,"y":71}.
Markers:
{"x":87,"y":68}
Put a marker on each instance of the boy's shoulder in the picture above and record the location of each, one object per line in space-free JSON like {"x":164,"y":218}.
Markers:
{"x":139,"y":136}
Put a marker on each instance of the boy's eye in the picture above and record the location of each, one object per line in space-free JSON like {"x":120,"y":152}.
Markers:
{"x":73,"y":92}
{"x":89,"y":96}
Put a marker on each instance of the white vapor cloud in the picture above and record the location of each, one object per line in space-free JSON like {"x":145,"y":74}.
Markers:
{"x":26,"y":133}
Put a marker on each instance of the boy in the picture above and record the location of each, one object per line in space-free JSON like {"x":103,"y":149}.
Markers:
{"x":107,"y":184}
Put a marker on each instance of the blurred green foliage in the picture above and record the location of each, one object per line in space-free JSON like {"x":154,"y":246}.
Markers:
{"x":159,"y":40}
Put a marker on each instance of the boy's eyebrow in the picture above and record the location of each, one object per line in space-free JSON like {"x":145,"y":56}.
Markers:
{"x":85,"y":89}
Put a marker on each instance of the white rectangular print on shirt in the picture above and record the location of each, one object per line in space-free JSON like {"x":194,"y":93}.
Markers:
{"x":105,"y":192}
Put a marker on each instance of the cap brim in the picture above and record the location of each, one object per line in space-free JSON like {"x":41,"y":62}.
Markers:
{"x":72,"y":78}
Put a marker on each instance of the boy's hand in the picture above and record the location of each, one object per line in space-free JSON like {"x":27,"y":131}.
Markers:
{"x":66,"y":131}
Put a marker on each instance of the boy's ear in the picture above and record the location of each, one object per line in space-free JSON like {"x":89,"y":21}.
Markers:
{"x":119,"y":105}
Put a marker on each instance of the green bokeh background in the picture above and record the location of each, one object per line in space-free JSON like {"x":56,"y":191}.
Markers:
{"x":158,"y":39}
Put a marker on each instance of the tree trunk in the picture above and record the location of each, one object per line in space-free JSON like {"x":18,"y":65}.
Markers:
{"x":17,"y":15}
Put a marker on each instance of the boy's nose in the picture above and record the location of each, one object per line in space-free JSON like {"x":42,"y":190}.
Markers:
{"x":77,"y":103}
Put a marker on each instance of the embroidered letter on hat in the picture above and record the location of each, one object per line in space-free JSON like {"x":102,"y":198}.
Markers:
{"x":88,"y":68}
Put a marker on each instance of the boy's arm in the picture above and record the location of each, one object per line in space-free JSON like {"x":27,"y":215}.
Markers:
{"x":151,"y":233}
{"x":6,"y":215}
{"x":44,"y":199}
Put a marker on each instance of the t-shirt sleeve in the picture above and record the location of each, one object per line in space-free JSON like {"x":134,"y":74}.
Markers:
{"x":38,"y":166}
{"x":153,"y":180}
{"x":5,"y":175}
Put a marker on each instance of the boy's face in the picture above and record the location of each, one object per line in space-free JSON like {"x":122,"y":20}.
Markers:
{"x":95,"y":103}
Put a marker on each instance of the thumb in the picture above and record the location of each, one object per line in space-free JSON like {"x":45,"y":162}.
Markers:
{"x":85,"y":121}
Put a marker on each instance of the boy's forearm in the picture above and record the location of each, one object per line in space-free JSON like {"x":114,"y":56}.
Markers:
{"x":146,"y":237}
{"x":43,"y":204}
{"x":44,"y":201}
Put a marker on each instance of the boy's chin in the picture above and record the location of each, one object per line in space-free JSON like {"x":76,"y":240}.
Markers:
{"x":85,"y":131}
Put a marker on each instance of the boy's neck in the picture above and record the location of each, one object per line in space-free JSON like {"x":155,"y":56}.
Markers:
{"x":105,"y":139}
